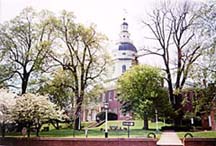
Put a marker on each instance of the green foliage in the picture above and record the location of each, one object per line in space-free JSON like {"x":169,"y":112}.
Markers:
{"x":206,"y":99}
{"x":141,"y":91}
{"x":92,"y":95}
{"x":25,"y":43}
{"x":31,"y":41}
{"x":58,"y":88}
{"x":83,"y":57}
{"x":201,"y":99}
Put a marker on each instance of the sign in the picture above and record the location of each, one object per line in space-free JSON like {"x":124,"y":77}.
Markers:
{"x":128,"y":123}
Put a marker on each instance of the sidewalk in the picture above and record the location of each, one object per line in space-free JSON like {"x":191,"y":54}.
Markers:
{"x":169,"y":138}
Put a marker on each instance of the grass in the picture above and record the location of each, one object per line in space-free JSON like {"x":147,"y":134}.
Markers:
{"x":135,"y":131}
{"x":98,"y":132}
{"x":200,"y":134}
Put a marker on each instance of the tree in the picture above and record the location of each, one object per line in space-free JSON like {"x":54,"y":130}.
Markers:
{"x":7,"y":101}
{"x":34,"y":110}
{"x":92,"y":100}
{"x":92,"y":95}
{"x":24,"y":44}
{"x":204,"y":71}
{"x":140,"y":89}
{"x":207,"y":99}
{"x":6,"y":73}
{"x":83,"y":57}
{"x":59,"y":91}
{"x":58,"y":88}
{"x":173,"y":29}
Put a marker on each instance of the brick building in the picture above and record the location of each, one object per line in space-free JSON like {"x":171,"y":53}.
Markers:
{"x":208,"y":119}
{"x":123,"y":55}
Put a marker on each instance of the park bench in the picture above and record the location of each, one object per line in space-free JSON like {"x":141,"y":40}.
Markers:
{"x":45,"y":129}
{"x":114,"y":127}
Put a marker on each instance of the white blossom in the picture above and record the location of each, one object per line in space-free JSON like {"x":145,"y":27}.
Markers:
{"x":7,"y":101}
{"x":35,"y":109}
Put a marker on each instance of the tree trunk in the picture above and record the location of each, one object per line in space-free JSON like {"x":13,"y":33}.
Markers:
{"x":77,"y":124}
{"x":3,"y":129}
{"x":170,"y":89}
{"x":25,"y":82}
{"x":28,"y":129}
{"x":77,"y":121}
{"x":38,"y":129}
{"x":145,"y":117}
{"x":178,"y":109}
{"x":55,"y":124}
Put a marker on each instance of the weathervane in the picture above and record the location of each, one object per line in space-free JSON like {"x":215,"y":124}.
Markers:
{"x":125,"y":13}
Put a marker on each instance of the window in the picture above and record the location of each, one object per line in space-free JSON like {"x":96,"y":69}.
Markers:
{"x":110,"y":95}
{"x":114,"y":95}
{"x":123,"y":68}
{"x":107,"y":96}
{"x":103,"y":97}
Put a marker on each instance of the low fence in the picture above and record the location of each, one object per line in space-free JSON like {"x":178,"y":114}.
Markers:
{"x":78,"y":142}
{"x":98,"y":142}
{"x":199,"y":142}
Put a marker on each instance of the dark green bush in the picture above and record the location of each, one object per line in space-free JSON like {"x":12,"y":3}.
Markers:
{"x":101,"y":116}
{"x":177,"y":128}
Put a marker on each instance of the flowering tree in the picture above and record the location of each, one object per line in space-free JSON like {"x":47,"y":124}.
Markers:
{"x":34,"y":110}
{"x":7,"y":101}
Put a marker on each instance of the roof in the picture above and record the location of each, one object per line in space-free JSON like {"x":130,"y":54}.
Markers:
{"x":127,"y":46}
{"x":124,"y":23}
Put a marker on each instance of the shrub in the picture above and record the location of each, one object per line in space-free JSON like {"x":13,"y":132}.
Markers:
{"x":177,"y":128}
{"x":111,"y":116}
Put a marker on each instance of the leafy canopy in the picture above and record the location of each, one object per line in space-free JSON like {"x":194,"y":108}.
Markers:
{"x":141,"y":88}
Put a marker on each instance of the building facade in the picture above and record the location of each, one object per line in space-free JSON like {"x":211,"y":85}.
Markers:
{"x":123,"y":56}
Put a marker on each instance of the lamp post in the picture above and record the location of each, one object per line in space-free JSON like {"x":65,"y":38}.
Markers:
{"x":156,"y":116}
{"x":106,"y":118}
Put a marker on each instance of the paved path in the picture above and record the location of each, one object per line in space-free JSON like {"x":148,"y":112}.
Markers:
{"x":169,"y":138}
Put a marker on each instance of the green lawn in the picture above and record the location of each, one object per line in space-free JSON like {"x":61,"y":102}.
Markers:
{"x":136,"y":131}
{"x":202,"y":134}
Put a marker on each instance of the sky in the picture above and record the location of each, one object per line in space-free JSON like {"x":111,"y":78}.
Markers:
{"x":106,"y":14}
